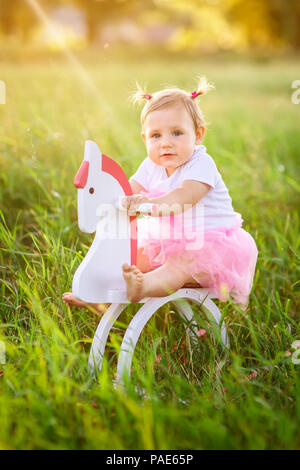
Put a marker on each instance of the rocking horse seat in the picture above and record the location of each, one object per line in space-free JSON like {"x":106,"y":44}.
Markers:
{"x":191,"y":285}
{"x":120,"y":296}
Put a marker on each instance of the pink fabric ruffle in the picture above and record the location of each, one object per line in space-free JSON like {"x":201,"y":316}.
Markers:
{"x":224,"y":261}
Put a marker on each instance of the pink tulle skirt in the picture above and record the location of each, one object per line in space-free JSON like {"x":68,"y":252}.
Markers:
{"x":224,"y":262}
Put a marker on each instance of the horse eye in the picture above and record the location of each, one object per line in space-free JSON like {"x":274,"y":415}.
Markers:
{"x":91,"y":190}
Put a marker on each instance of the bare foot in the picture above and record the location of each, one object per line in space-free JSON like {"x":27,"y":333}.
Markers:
{"x":134,"y":280}
{"x":69,"y":299}
{"x":243,"y":306}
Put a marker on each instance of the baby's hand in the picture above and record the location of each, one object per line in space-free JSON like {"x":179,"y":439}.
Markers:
{"x":131,"y":203}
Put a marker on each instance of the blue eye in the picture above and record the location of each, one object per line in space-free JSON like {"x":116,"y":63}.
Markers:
{"x":155,"y":136}
{"x":177,"y":133}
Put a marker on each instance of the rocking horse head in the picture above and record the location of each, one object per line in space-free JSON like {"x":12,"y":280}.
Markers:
{"x":100,"y":180}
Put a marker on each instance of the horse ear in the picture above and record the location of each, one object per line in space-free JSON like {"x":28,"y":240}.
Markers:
{"x":82,"y":175}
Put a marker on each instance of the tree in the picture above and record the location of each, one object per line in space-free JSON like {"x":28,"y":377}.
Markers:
{"x":267,"y":22}
{"x":17,"y":18}
{"x":100,"y":12}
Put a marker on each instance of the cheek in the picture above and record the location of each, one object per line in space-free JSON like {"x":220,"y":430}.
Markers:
{"x":151,"y":145}
{"x":184,"y":141}
{"x":190,"y":140}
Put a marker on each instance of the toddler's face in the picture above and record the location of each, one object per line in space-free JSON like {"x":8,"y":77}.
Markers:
{"x":170,"y":137}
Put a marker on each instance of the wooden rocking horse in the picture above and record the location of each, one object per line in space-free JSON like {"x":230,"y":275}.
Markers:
{"x":101,"y":184}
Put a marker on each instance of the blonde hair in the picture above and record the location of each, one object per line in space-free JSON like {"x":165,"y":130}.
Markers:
{"x":169,"y":96}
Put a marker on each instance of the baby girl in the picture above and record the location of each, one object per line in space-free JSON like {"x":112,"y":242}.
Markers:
{"x":178,"y":173}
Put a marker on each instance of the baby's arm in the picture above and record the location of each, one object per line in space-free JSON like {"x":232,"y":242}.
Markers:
{"x":136,"y":187}
{"x":188,"y":194}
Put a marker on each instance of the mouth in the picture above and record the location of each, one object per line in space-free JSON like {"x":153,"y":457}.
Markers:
{"x":168,"y":155}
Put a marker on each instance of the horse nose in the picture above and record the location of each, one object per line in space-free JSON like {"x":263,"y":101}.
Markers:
{"x":82,"y":175}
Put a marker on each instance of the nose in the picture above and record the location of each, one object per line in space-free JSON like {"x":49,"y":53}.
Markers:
{"x":82,"y":175}
{"x":165,"y":143}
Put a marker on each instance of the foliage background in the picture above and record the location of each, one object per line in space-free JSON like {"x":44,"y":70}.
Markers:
{"x":64,"y":90}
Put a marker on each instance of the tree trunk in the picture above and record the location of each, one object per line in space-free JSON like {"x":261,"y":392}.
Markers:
{"x":92,"y":27}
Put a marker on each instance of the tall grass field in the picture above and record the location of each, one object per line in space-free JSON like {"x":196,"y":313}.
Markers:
{"x":181,"y":396}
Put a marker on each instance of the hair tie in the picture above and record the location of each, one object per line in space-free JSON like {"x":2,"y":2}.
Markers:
{"x":147,"y":96}
{"x":196,"y":93}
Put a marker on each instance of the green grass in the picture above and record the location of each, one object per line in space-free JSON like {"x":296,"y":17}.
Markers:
{"x":196,"y":398}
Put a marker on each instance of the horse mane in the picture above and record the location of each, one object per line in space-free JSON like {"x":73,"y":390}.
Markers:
{"x":114,"y":169}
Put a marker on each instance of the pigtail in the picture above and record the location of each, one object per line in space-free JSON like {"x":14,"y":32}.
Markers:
{"x":140,"y":95}
{"x":202,"y":88}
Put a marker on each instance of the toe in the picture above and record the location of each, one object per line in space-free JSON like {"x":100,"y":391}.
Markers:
{"x":126,"y":267}
{"x":66,"y":295}
{"x":126,"y":274}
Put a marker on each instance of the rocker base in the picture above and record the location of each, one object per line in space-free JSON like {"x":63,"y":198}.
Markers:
{"x":179,"y":299}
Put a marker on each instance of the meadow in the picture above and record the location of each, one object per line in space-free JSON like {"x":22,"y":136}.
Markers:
{"x":196,"y":397}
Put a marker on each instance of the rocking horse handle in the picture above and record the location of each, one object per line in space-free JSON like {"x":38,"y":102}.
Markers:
{"x":145,"y":208}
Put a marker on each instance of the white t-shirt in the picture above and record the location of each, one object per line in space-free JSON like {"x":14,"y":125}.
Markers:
{"x":218,"y":210}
